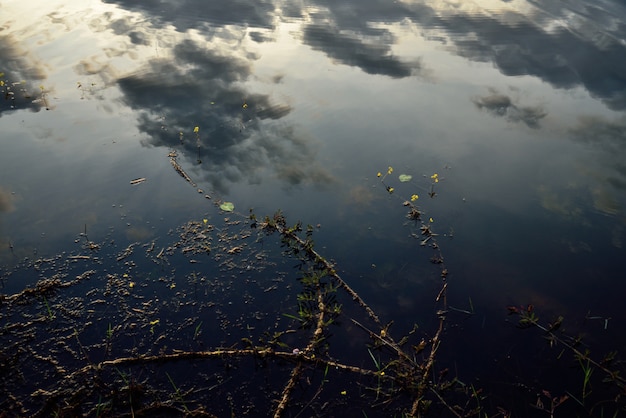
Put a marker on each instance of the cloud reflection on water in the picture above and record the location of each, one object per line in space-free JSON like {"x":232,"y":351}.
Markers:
{"x":200,"y":86}
{"x":372,"y":58}
{"x":503,"y":106}
{"x":201,"y":15}
{"x":202,"y":71}
{"x":565,"y":45}
{"x":570,"y":45}
{"x":21,"y":72}
{"x":546,"y":43}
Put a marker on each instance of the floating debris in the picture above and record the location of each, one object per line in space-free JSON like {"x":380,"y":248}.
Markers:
{"x":138,"y":181}
{"x":173,"y":155}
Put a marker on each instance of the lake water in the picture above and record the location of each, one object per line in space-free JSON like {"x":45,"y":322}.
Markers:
{"x":512,"y":112}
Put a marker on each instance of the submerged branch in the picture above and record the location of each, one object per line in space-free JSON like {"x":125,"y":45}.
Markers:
{"x":309,"y":350}
{"x":290,"y":233}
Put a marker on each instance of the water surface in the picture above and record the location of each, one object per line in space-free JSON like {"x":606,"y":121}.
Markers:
{"x":518,"y":106}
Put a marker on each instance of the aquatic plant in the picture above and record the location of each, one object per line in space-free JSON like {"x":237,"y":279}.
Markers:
{"x":613,"y":386}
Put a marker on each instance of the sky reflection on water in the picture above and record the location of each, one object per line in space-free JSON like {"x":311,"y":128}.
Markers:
{"x":298,"y":106}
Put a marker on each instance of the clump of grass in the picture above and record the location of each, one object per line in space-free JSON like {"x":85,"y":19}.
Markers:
{"x":50,"y":315}
{"x":197,"y":331}
{"x":178,"y":393}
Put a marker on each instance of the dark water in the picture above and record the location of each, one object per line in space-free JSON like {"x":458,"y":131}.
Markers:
{"x":518,"y":106}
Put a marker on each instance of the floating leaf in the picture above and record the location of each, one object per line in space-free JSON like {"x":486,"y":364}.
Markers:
{"x":227,"y":206}
{"x":405,"y":177}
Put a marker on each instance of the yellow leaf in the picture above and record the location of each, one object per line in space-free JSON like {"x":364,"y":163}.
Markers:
{"x":344,"y":393}
{"x":196,"y":129}
{"x":414,"y":198}
{"x":390,"y":170}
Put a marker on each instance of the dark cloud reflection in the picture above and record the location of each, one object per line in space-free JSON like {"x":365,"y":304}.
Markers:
{"x":20,"y":79}
{"x":587,"y":51}
{"x":544,"y":41}
{"x":373,"y":58}
{"x":201,"y":87}
{"x":201,"y":14}
{"x":351,"y":33}
{"x":502,"y":105}
{"x":363,"y":46}
{"x":560,"y":57}
{"x":566,"y":44}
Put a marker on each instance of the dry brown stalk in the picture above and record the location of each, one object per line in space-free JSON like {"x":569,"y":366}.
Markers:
{"x":309,"y":350}
{"x":179,"y":169}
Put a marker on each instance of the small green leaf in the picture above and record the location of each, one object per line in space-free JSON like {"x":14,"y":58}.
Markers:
{"x":227,"y":206}
{"x":405,"y":177}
